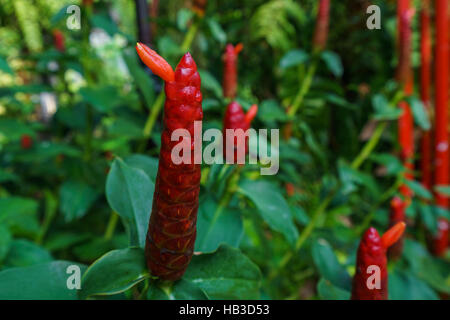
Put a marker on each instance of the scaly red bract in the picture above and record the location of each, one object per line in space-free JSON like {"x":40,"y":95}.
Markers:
{"x":172,"y":228}
{"x":370,"y":252}
{"x":397,"y":214}
{"x":235,"y":119}
{"x":321,"y":30}
{"x":230,"y":70}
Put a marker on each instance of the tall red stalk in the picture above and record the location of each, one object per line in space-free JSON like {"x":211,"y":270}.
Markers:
{"x":441,"y":174}
{"x":405,"y":77}
{"x":230,"y":59}
{"x":425,"y":92}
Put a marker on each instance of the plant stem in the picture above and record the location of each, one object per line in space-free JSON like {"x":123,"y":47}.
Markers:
{"x":320,"y":210}
{"x":50,"y":213}
{"x":189,"y":37}
{"x":111,"y":227}
{"x":369,"y":146}
{"x":304,"y":87}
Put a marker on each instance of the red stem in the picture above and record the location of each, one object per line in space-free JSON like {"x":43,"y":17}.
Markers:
{"x":406,"y":77}
{"x":425,"y":84}
{"x":441,"y":174}
{"x":321,"y":31}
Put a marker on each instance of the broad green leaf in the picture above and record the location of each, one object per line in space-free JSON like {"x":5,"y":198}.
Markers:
{"x":383,"y":109}
{"x":129,"y":192}
{"x":113,"y":273}
{"x":47,"y":281}
{"x":217,"y":31}
{"x":101,"y":98}
{"x":293,"y":58}
{"x":420,"y":114}
{"x":215,"y":227}
{"x":270,"y":111}
{"x":23,"y":253}
{"x":419,"y":189}
{"x":225,"y":274}
{"x":13,"y":129}
{"x":4,"y":66}
{"x":5,"y":242}
{"x":327,"y":291}
{"x":391,"y":163}
{"x":75,"y":199}
{"x":20,"y":215}
{"x":183,"y":17}
{"x":210,"y":83}
{"x":64,"y":240}
{"x":147,"y":164}
{"x":328,"y":265}
{"x":300,"y":215}
{"x":124,"y":128}
{"x":333,"y":62}
{"x":443,"y":190}
{"x":426,"y":267}
{"x":272,"y":207}
{"x":180,"y":290}
{"x":405,"y":286}
{"x":428,"y":217}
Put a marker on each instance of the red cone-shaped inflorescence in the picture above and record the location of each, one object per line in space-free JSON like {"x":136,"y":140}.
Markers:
{"x":172,"y":228}
{"x":230,"y":59}
{"x":236,"y":119}
{"x":59,"y":40}
{"x":371,"y":256}
{"x":442,"y":155}
{"x":26,"y":142}
{"x":396,"y":215}
{"x":321,"y":31}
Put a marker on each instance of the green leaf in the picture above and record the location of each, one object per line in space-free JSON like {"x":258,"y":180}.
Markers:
{"x":383,"y":109}
{"x":333,"y":62}
{"x":419,"y":189}
{"x":114,"y":272}
{"x":327,"y":291}
{"x":180,"y":290}
{"x":225,"y":274}
{"x":5,"y":242}
{"x":300,"y":215}
{"x":405,"y":286}
{"x":5,"y":67}
{"x":217,"y":31}
{"x":23,"y":253}
{"x":147,"y":164}
{"x":419,"y":112}
{"x":129,"y":192}
{"x":426,"y":267}
{"x":20,"y":215}
{"x":75,"y":199}
{"x":271,"y":206}
{"x":210,"y":83}
{"x":328,"y":265}
{"x":101,"y":98}
{"x":183,"y":17}
{"x":443,"y":190}
{"x":47,"y":281}
{"x":428,"y":217}
{"x":293,"y":58}
{"x":13,"y":129}
{"x":391,"y":163}
{"x":215,"y":227}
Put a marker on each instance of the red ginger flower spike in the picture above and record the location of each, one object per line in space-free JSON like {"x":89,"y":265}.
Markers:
{"x":26,"y":142}
{"x":372,"y":252}
{"x":172,"y":228}
{"x":321,"y":31}
{"x":230,"y":70}
{"x":235,"y":119}
{"x":397,"y":214}
{"x":58,"y":40}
